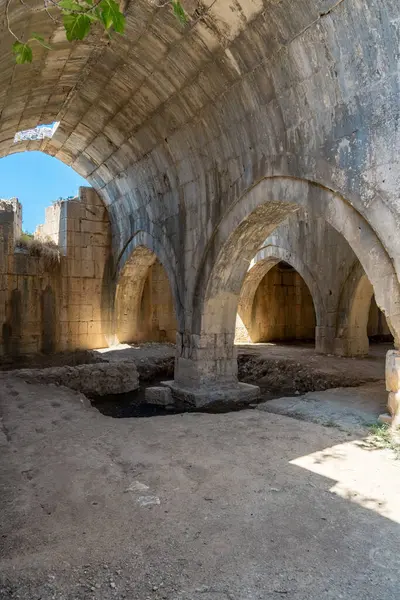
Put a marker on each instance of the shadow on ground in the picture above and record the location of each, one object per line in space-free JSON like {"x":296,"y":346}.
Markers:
{"x":238,"y":506}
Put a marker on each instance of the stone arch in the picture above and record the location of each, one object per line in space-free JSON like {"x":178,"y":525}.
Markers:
{"x":263,"y":262}
{"x":144,"y":301}
{"x":354,"y":305}
{"x":206,"y":357}
{"x":251,"y":219}
{"x":353,"y":314}
{"x":163,"y":253}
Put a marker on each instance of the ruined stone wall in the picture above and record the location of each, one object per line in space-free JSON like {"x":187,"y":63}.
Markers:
{"x":283,"y":308}
{"x":13,"y":205}
{"x":51,"y":306}
{"x":54,"y":227}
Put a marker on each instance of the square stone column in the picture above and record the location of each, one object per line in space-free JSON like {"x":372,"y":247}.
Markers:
{"x":206,"y":371}
{"x":325,"y":339}
{"x":392,"y":373}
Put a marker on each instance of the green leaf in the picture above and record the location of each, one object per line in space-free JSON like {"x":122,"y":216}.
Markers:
{"x":112,"y":16}
{"x":77,"y":26}
{"x":70,"y":5}
{"x":94,"y":16}
{"x":179,"y":11}
{"x":41,"y":40}
{"x":23,"y":53}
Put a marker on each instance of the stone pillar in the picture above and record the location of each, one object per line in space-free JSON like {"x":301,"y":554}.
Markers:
{"x":352,"y":345}
{"x":324,"y":339}
{"x":206,"y":371}
{"x":392,"y":372}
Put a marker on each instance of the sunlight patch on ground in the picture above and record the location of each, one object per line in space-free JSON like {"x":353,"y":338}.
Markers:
{"x":114,"y":347}
{"x":367,"y":476}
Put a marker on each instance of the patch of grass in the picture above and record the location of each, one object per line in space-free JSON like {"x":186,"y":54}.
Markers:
{"x":26,"y":237}
{"x":383,"y":436}
{"x":40,"y":248}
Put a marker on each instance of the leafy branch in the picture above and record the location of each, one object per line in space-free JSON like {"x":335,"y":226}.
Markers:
{"x":78,"y":17}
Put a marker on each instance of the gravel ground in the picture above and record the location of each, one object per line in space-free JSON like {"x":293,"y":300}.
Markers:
{"x":238,"y":506}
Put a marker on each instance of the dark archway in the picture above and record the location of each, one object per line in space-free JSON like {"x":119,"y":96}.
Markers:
{"x":377,"y":327}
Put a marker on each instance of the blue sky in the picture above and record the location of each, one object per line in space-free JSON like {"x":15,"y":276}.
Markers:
{"x":36,"y":179}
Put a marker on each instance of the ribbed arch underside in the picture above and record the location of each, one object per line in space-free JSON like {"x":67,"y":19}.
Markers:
{"x":168,"y":119}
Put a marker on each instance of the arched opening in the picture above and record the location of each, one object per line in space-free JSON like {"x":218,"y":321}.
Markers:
{"x":144,"y":306}
{"x":58,"y":267}
{"x":281,"y":309}
{"x":377,"y":328}
{"x":207,"y":358}
{"x":252,"y":219}
{"x":360,"y":320}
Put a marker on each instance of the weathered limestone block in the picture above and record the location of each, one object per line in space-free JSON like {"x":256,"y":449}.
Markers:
{"x":394,"y":408}
{"x":98,"y":379}
{"x":161,"y":396}
{"x":242,"y":393}
{"x":206,"y":371}
{"x":392,"y":372}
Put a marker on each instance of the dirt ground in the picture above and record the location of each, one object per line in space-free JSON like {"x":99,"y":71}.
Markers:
{"x":371,"y":367}
{"x":239,"y":506}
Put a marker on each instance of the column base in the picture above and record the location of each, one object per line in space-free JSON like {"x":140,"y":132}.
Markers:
{"x":243,"y":393}
{"x":351,"y":348}
{"x":392,"y":371}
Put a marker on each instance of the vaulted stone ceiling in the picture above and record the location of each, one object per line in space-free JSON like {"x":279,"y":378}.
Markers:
{"x":116,"y":100}
{"x":167,"y":114}
{"x":104,"y":91}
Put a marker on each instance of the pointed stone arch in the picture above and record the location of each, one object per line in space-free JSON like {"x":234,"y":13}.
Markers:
{"x":145,"y":293}
{"x":206,"y":356}
{"x":267,"y":258}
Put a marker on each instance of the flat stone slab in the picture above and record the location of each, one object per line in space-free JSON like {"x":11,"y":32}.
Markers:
{"x":350,"y":409}
{"x":244,"y":393}
{"x":98,"y":379}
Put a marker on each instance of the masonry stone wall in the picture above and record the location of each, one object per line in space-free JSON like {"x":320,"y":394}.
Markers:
{"x":53,"y":306}
{"x":12,"y":205}
{"x":282,"y":309}
{"x":54,"y":227}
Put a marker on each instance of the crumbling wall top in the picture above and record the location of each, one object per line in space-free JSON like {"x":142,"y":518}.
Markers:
{"x":13,"y":205}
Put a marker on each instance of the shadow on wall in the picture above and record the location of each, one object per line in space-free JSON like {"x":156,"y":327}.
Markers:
{"x":377,"y":328}
{"x":49,"y":321}
{"x":12,"y":327}
{"x":144,"y":305}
